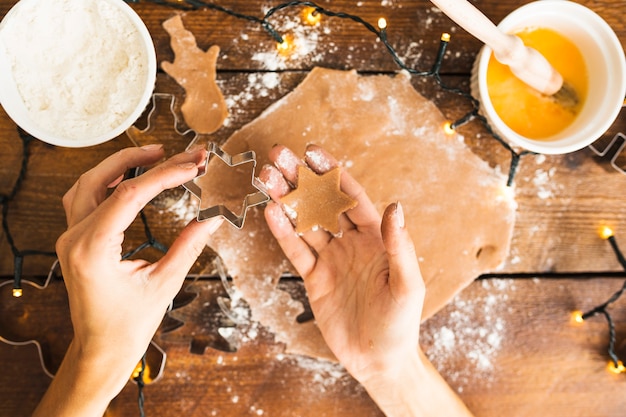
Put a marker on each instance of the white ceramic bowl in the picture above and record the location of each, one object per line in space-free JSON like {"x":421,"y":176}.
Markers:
{"x":606,"y":66}
{"x":12,"y":100}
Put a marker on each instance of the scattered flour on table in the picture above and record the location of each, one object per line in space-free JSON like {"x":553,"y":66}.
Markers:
{"x":472,"y":334}
{"x":79,"y":65}
{"x":259,"y":85}
{"x":323,"y":375}
{"x":543,"y":179}
{"x":304,"y":40}
{"x":310,"y":45}
{"x":185,"y":209}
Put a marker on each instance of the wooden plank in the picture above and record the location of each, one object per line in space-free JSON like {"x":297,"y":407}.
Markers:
{"x":506,"y":345}
{"x":414,"y":29}
{"x":510,"y":348}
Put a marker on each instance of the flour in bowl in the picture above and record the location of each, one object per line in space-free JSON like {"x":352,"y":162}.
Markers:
{"x":81,"y":66}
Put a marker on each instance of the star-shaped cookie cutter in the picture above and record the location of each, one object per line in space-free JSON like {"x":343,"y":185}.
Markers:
{"x":251,"y":200}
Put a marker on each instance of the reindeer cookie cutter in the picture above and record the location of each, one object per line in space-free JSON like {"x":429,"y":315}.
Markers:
{"x":251,"y":200}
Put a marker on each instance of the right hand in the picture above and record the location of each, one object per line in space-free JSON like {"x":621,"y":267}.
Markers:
{"x":365,"y":287}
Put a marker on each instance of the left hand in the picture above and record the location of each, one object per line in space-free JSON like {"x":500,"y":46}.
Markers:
{"x":117,"y":305}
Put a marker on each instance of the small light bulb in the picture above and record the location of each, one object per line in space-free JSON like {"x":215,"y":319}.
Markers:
{"x":505,"y":193}
{"x":620,"y":368}
{"x":605,"y":232}
{"x":146,"y":373}
{"x":445,"y":37}
{"x":577,"y":316}
{"x":311,"y":16}
{"x":287,"y":46}
{"x":447,"y":127}
{"x":382,"y":23}
{"x":17,"y":292}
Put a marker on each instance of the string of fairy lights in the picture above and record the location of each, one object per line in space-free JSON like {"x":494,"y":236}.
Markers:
{"x":312,"y":13}
{"x":615,"y":364}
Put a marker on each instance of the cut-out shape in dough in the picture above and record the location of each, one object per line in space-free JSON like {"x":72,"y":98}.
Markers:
{"x":204,"y":108}
{"x":317,"y":201}
{"x":391,"y":139}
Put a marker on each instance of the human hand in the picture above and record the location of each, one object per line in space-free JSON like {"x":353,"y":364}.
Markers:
{"x":365,"y":287}
{"x":365,"y":290}
{"x":117,"y":305}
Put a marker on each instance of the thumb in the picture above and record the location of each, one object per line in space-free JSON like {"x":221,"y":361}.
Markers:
{"x":405,"y":278}
{"x":174,"y":266}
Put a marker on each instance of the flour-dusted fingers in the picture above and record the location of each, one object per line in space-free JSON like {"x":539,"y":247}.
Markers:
{"x":91,"y":188}
{"x":299,"y":253}
{"x":287,"y":162}
{"x":120,"y":209}
{"x":319,"y":160}
{"x":274,"y":182}
{"x":278,"y":187}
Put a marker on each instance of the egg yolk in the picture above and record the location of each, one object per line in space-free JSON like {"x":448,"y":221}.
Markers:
{"x":527,"y":111}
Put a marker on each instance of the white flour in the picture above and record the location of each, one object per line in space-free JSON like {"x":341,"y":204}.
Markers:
{"x":80,"y":65}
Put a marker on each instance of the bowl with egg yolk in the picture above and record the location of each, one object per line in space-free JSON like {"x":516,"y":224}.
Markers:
{"x":583,"y":48}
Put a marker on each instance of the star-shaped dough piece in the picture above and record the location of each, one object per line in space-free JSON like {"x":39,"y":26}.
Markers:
{"x":318,"y":200}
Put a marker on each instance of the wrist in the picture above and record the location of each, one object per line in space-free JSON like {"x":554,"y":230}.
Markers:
{"x":413,"y":387}
{"x":84,"y":384}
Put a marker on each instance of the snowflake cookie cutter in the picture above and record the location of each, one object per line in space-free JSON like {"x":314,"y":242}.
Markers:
{"x":251,"y":200}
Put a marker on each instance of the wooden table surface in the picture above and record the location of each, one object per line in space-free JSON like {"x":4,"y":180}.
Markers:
{"x":506,"y":344}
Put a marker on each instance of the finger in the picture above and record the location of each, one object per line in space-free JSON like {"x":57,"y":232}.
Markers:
{"x":287,"y":162}
{"x":117,"y":212}
{"x":174,"y":266}
{"x":116,"y":181}
{"x":364,"y":215}
{"x":275,"y":183}
{"x":319,"y":160}
{"x":405,"y":279}
{"x":297,"y":250}
{"x":91,"y":188}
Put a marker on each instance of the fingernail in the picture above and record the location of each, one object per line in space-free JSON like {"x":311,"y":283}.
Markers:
{"x":400,"y":215}
{"x":152,"y":147}
{"x":187,"y":165}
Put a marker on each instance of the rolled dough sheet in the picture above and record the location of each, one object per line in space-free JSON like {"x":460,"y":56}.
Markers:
{"x":390,"y":138}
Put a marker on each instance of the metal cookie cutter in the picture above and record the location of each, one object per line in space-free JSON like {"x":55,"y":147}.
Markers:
{"x":155,"y":355}
{"x":612,"y":150}
{"x":250,"y":200}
